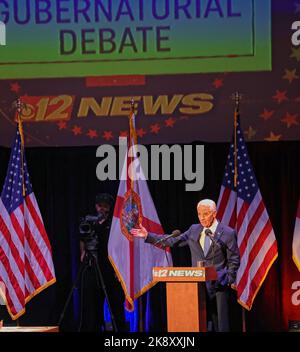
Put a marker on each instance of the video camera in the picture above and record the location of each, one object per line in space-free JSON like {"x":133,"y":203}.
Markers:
{"x":87,"y":231}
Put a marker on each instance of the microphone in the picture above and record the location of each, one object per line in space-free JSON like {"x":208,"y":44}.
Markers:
{"x":216,"y":240}
{"x":175,"y":233}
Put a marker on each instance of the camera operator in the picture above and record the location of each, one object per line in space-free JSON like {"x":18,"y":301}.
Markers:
{"x":92,"y":294}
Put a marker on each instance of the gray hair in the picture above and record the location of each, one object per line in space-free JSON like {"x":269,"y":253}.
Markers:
{"x":208,"y":203}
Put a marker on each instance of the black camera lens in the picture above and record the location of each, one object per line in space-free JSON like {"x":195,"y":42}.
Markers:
{"x":87,"y":232}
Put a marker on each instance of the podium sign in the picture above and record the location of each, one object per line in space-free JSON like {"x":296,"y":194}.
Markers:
{"x":184,"y":274}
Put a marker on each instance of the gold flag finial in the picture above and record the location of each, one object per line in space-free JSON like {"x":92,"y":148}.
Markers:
{"x":237,"y":97}
{"x":132,"y":105}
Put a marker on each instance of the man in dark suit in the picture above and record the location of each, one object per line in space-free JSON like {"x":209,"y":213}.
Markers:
{"x":215,"y":244}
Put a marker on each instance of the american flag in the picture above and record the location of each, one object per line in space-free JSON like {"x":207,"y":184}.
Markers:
{"x":241,"y":206}
{"x":26,"y":266}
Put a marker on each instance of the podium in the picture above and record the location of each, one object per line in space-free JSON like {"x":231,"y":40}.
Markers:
{"x":186,"y":296}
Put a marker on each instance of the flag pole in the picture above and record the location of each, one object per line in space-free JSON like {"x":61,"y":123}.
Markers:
{"x":19,"y":115}
{"x":133,"y":140}
{"x":244,"y":319}
{"x":141,"y":318}
{"x":237,"y":98}
{"x":132,"y":127}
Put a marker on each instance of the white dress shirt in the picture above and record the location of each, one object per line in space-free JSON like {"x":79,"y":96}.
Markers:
{"x":212,"y":228}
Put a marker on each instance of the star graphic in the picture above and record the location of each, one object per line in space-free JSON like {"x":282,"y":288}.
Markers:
{"x":295,"y":54}
{"x":155,"y":128}
{"x":141,"y":132}
{"x":290,"y":119}
{"x":218,"y":82}
{"x":250,"y":133}
{"x":123,"y":134}
{"x":62,"y":125}
{"x":297,"y":7}
{"x":107,"y":135}
{"x":266,"y":115}
{"x":280,"y":96}
{"x":77,"y":130}
{"x":273,"y":137}
{"x":92,"y":134}
{"x":290,"y":75}
{"x":170,"y":122}
{"x":15,"y":87}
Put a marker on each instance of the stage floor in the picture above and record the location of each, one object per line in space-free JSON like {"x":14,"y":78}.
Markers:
{"x":29,"y":329}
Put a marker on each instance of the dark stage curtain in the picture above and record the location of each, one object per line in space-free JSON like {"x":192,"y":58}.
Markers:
{"x":64,"y":181}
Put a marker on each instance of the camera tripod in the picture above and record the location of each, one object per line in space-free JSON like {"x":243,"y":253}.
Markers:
{"x":90,"y":260}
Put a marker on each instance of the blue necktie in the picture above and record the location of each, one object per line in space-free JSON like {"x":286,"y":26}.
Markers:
{"x":206,"y":244}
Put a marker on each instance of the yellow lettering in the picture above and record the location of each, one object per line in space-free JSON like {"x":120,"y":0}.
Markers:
{"x":61,"y":112}
{"x":162,"y":103}
{"x":42,"y":107}
{"x":99,"y":109}
{"x":197,"y":104}
{"x":122,"y":106}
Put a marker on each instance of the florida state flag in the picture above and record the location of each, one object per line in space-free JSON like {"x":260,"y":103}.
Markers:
{"x":132,"y":258}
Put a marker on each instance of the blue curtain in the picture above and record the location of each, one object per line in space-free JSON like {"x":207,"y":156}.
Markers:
{"x":133,"y":318}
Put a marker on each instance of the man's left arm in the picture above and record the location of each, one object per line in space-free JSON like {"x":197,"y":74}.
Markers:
{"x":233,"y":257}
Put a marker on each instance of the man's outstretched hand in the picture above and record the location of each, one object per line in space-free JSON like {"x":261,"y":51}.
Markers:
{"x":139,"y":232}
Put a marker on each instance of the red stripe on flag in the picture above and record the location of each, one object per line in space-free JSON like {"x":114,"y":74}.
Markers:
{"x":260,"y":274}
{"x":12,"y":247}
{"x":33,"y":278}
{"x":223,"y":203}
{"x":241,"y":215}
{"x":152,"y":226}
{"x":252,"y":223}
{"x":128,"y":180}
{"x":253,"y":255}
{"x":118,"y":206}
{"x":12,"y":278}
{"x":38,"y":222}
{"x":38,"y":254}
{"x":232,"y":221}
